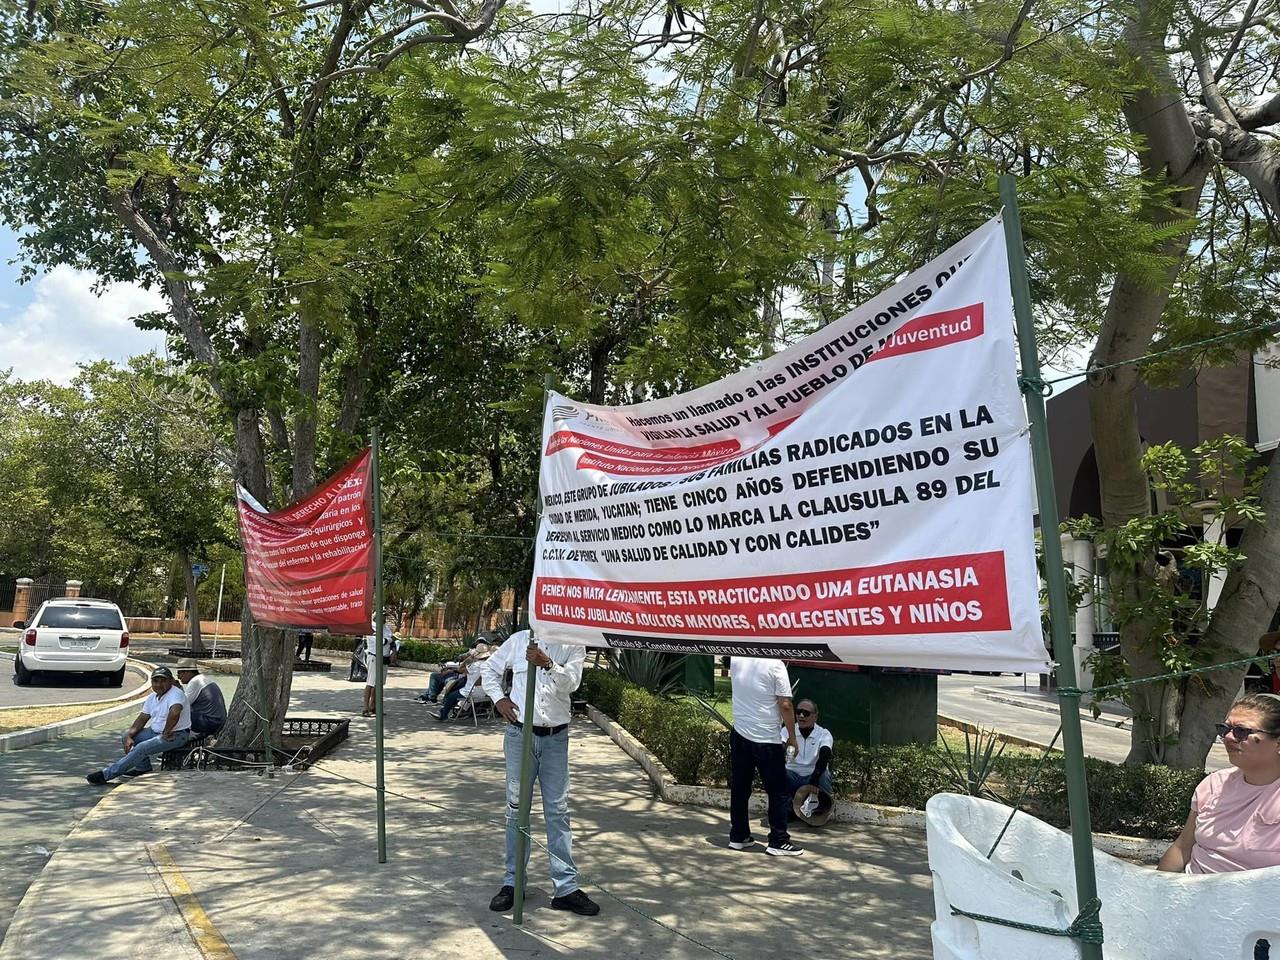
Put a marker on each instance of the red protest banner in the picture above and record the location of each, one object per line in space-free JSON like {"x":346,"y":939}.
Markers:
{"x":312,"y":563}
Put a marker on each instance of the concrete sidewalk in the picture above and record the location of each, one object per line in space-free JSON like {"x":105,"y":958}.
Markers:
{"x":286,"y":867}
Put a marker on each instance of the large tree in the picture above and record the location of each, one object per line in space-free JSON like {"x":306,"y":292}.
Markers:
{"x":1204,"y":101}
{"x":210,"y":150}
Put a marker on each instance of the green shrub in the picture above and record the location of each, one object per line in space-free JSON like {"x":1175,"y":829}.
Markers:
{"x":416,"y":651}
{"x":1143,"y":801}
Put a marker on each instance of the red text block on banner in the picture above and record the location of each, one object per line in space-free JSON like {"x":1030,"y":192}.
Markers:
{"x":311,"y":564}
{"x":966,"y":593}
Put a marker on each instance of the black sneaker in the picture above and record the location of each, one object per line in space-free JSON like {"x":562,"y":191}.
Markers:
{"x":503,"y":900}
{"x":96,"y":778}
{"x":784,"y":849}
{"x":578,"y":902}
{"x":742,"y":844}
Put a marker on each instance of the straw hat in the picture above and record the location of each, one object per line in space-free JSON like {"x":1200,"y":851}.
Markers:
{"x":819,"y":814}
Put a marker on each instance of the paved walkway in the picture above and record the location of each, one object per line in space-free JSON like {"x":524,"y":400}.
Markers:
{"x":44,"y":797}
{"x":286,"y":868}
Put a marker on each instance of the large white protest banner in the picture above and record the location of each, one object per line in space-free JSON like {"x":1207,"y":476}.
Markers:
{"x":863,"y":496}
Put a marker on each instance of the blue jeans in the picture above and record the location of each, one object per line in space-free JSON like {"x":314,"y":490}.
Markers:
{"x":795,"y":781}
{"x":146,"y":744}
{"x":550,"y":762}
{"x":436,"y":683}
{"x":451,"y":700}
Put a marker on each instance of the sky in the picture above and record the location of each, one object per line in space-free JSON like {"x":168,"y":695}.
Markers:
{"x":54,"y":322}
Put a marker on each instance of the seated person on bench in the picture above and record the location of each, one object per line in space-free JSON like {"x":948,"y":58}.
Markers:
{"x":208,"y":708}
{"x":164,"y":724}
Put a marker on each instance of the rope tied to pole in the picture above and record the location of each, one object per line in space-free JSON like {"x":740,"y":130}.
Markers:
{"x":1259,"y":660}
{"x":1035,"y":385}
{"x":1086,"y":927}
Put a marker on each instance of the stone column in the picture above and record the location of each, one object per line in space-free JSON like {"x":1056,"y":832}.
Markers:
{"x":22,"y":599}
{"x":1079,"y":553}
{"x":73,"y":587}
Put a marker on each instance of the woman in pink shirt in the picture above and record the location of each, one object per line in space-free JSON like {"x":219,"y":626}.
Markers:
{"x":1235,"y":813}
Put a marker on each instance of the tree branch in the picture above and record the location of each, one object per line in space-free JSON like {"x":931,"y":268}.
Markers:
{"x":1262,"y":113}
{"x":181,"y":296}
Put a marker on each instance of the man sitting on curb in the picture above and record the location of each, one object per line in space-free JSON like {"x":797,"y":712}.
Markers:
{"x":809,"y":767}
{"x":208,"y":708}
{"x":164,"y":724}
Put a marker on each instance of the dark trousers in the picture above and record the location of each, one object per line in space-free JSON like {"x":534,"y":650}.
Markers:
{"x":746,"y":757}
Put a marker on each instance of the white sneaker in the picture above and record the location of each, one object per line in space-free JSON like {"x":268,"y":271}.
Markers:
{"x":784,"y":849}
{"x":742,"y":844}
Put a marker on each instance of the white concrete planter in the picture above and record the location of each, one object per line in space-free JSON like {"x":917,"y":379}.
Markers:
{"x":1146,"y":915}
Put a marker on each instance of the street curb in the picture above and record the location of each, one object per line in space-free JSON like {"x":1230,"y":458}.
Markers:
{"x":1013,"y":741}
{"x":996,"y":696}
{"x":52,"y":731}
{"x":843,"y":811}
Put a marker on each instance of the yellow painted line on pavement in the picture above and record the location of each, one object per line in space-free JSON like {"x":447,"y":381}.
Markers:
{"x":206,"y":936}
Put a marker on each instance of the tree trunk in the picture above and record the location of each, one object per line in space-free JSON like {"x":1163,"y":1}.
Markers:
{"x":304,"y":423}
{"x":1170,"y":157}
{"x":1244,"y":611}
{"x":193,"y":603}
{"x":266,"y":681}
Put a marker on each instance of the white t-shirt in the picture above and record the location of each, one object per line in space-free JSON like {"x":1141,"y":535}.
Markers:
{"x":757,"y":684}
{"x":157,"y":709}
{"x":808,"y":748}
{"x":194,"y":686}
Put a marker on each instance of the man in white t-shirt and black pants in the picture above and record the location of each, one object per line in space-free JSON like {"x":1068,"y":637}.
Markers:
{"x":761,"y":705}
{"x":164,"y":724}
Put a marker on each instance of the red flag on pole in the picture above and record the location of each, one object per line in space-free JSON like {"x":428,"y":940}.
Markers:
{"x":312,"y":563}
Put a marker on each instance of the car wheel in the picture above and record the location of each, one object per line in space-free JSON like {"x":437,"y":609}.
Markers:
{"x":21,"y":675}
{"x":116,"y":679}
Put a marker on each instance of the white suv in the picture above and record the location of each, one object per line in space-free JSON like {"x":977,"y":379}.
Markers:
{"x":73,"y":634}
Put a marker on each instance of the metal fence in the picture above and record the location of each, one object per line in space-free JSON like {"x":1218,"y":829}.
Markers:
{"x":8,"y":589}
{"x":47,"y":588}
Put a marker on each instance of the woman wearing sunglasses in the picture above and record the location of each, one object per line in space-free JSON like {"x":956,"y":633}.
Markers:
{"x":1235,"y":813}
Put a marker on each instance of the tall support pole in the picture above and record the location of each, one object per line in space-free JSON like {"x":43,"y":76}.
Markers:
{"x":379,"y":675}
{"x":530,"y":697}
{"x":1060,"y":627}
{"x":217,"y":623}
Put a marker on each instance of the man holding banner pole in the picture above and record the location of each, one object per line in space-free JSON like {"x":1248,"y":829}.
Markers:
{"x":558,"y":673}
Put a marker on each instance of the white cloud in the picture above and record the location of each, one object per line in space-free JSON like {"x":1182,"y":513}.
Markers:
{"x":66,"y":323}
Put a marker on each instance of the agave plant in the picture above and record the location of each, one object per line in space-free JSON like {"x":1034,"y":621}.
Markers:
{"x":971,"y":772}
{"x":658,"y":673}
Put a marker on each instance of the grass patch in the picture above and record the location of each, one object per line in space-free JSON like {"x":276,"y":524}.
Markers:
{"x":11,"y":721}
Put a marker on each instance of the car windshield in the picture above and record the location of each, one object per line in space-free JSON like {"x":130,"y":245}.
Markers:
{"x":81,"y":618}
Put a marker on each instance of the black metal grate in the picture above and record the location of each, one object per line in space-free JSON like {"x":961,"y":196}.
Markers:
{"x":325,"y":732}
{"x":8,"y":589}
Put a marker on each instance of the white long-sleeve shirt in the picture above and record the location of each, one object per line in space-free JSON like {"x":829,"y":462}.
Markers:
{"x":555,"y":684}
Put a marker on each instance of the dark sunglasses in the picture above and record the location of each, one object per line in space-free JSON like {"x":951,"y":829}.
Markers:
{"x":804,"y":713}
{"x":1238,"y":731}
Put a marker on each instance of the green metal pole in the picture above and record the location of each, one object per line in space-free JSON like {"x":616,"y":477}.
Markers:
{"x":1060,"y":629}
{"x":377,"y":650}
{"x":526,"y":787}
{"x":530,"y":695}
